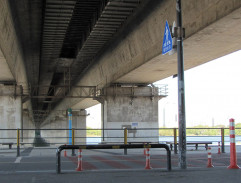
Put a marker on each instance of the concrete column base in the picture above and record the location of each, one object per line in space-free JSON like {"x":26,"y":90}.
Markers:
{"x":60,"y":121}
{"x":79,"y":123}
{"x":10,"y":111}
{"x":27,"y":135}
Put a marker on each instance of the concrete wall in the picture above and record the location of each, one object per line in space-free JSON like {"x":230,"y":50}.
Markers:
{"x":79,"y":122}
{"x":10,"y":112}
{"x":123,"y":111}
{"x":28,"y":134}
{"x":60,"y":121}
{"x":12,"y":60}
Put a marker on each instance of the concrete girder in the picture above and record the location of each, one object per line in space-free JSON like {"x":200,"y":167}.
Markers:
{"x":141,"y":44}
{"x":5,"y":73}
{"x":11,"y":53}
{"x":9,"y":45}
{"x":216,"y":40}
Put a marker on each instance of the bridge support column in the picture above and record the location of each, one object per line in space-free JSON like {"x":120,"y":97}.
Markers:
{"x":58,"y":121}
{"x":10,"y":111}
{"x":27,"y":136}
{"x":134,"y":108}
{"x":79,"y":124}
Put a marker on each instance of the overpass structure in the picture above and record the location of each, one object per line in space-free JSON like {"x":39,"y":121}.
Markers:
{"x":61,"y":54}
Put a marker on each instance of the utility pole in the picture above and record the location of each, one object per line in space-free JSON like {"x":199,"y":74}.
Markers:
{"x":181,"y":89}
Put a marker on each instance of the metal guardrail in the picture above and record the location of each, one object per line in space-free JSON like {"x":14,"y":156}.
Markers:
{"x":111,"y":146}
{"x":27,"y":137}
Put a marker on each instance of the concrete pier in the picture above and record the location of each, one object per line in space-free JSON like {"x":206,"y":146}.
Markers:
{"x":79,"y":123}
{"x":27,"y":136}
{"x":60,"y":121}
{"x":10,"y":110}
{"x":130,"y":107}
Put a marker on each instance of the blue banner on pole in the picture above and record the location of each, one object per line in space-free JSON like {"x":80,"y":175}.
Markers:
{"x":167,"y":40}
{"x":70,"y":128}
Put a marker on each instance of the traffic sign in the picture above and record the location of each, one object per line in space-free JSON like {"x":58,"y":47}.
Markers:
{"x":167,"y":40}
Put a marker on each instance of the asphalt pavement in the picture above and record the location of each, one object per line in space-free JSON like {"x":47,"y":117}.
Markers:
{"x":38,"y":165}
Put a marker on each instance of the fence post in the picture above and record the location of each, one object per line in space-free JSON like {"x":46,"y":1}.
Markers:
{"x":222,"y":140}
{"x":18,"y":139}
{"x":73,"y":141}
{"x":175,"y":140}
{"x":58,"y":161}
{"x":125,"y":140}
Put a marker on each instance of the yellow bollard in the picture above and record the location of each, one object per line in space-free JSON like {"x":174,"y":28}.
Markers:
{"x":73,"y":141}
{"x":175,"y":140}
{"x":18,"y":140}
{"x":73,"y":136}
{"x":125,"y":140}
{"x":222,"y":137}
{"x":125,"y":136}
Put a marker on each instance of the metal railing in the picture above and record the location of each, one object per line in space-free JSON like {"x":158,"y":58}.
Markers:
{"x":56,"y":137}
{"x":162,"y":89}
{"x":111,"y":146}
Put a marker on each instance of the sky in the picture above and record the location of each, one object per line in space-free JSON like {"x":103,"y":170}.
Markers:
{"x":212,"y":95}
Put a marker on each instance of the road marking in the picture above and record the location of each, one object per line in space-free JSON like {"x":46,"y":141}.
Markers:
{"x":18,"y":160}
{"x":33,"y":162}
{"x":33,"y":171}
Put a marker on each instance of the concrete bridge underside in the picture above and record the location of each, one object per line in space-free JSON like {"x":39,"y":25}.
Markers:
{"x":134,"y":54}
{"x":212,"y":31}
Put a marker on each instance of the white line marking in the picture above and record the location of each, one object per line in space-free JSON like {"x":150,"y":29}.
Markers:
{"x":18,"y":160}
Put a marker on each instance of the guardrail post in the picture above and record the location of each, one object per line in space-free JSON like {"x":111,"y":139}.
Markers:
{"x":169,"y":164}
{"x":125,"y":140}
{"x":18,"y":139}
{"x":222,"y":140}
{"x":175,"y":140}
{"x":73,"y":141}
{"x":58,"y":161}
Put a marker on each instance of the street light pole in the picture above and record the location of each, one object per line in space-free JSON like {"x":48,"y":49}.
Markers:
{"x":181,"y":89}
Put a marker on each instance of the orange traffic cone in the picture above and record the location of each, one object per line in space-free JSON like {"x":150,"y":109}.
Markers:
{"x":148,"y":162}
{"x":219,"y":150}
{"x":233,"y":157}
{"x":209,"y":158}
{"x":79,"y":167}
{"x":65,"y":152}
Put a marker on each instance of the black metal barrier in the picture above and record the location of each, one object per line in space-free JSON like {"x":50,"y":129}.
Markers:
{"x":111,"y":146}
